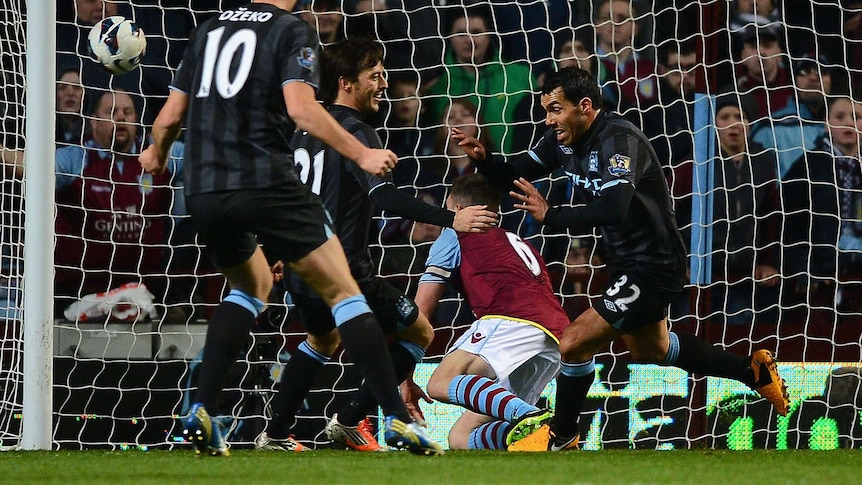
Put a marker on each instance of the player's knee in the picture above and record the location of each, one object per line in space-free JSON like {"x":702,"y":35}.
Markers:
{"x":438,"y":388}
{"x":325,"y":344}
{"x":458,"y":440}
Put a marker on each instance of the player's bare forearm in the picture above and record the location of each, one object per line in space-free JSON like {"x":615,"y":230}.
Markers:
{"x":428,"y":297}
{"x":166,"y":130}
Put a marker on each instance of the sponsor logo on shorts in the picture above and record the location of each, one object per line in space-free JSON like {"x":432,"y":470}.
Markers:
{"x":476,"y":337}
{"x":610,"y":306}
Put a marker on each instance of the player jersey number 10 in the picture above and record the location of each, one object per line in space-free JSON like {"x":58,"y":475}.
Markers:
{"x":217,"y":63}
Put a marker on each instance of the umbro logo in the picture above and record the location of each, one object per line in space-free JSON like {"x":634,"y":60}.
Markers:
{"x":476,"y":337}
{"x":610,"y":306}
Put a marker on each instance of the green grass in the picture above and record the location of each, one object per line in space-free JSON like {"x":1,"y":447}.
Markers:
{"x":465,"y":467}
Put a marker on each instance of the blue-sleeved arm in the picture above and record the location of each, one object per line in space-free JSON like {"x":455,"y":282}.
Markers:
{"x":444,"y":258}
{"x":68,"y":165}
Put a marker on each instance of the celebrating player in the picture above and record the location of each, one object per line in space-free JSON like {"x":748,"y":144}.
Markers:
{"x":245,"y":84}
{"x":499,"y":367}
{"x":352,"y":85}
{"x":615,"y":172}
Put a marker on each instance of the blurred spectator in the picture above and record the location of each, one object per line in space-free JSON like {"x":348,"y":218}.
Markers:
{"x":823,"y":203}
{"x":449,"y":161}
{"x":409,"y":30}
{"x":576,"y":48}
{"x":797,"y":126}
{"x":677,"y":66}
{"x":403,"y":134}
{"x":325,"y":16}
{"x":526,"y":28}
{"x":852,"y":36}
{"x":112,"y":217}
{"x":627,"y":74}
{"x":70,"y":108}
{"x":746,"y":209}
{"x":761,"y":72}
{"x":573,"y":47}
{"x":753,"y":12}
{"x":473,"y":68}
{"x":432,"y":175}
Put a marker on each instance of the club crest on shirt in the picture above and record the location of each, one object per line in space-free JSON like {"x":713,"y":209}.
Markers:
{"x":146,"y":182}
{"x":593,"y":162}
{"x":306,"y":58}
{"x":619,"y":165}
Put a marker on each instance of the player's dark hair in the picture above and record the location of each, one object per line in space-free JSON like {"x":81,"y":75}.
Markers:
{"x":346,"y":59}
{"x":576,"y":84}
{"x":475,"y":189}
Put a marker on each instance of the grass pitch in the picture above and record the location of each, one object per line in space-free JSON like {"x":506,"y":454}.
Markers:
{"x":332,"y":467}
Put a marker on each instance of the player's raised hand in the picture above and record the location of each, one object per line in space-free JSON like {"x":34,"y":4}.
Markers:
{"x":474,"y":218}
{"x":377,"y":161}
{"x":472,"y":147}
{"x":530,"y":199}
{"x":151,"y":162}
{"x":411,"y":393}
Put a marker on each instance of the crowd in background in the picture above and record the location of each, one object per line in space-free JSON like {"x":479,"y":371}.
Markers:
{"x":787,"y":202}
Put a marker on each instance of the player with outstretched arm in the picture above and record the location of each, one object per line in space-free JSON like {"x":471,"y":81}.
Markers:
{"x":616,"y":175}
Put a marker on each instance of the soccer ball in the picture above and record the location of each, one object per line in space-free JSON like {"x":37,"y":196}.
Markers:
{"x":117,"y":44}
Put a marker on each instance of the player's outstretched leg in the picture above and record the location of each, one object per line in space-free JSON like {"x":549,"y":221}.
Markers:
{"x":767,"y":382}
{"x":358,"y":437}
{"x":410,"y":436}
{"x":758,"y":371}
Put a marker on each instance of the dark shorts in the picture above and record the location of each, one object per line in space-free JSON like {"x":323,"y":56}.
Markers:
{"x":638,"y":297}
{"x":288,"y":220}
{"x":393,"y":310}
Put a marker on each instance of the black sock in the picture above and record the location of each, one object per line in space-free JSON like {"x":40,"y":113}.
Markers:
{"x":297,"y":377}
{"x":227,"y":333}
{"x":362,"y":403}
{"x":571,"y":392}
{"x":364,"y":342}
{"x":699,"y":357}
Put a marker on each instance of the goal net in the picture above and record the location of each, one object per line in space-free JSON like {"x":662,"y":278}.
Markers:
{"x":774,"y":240}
